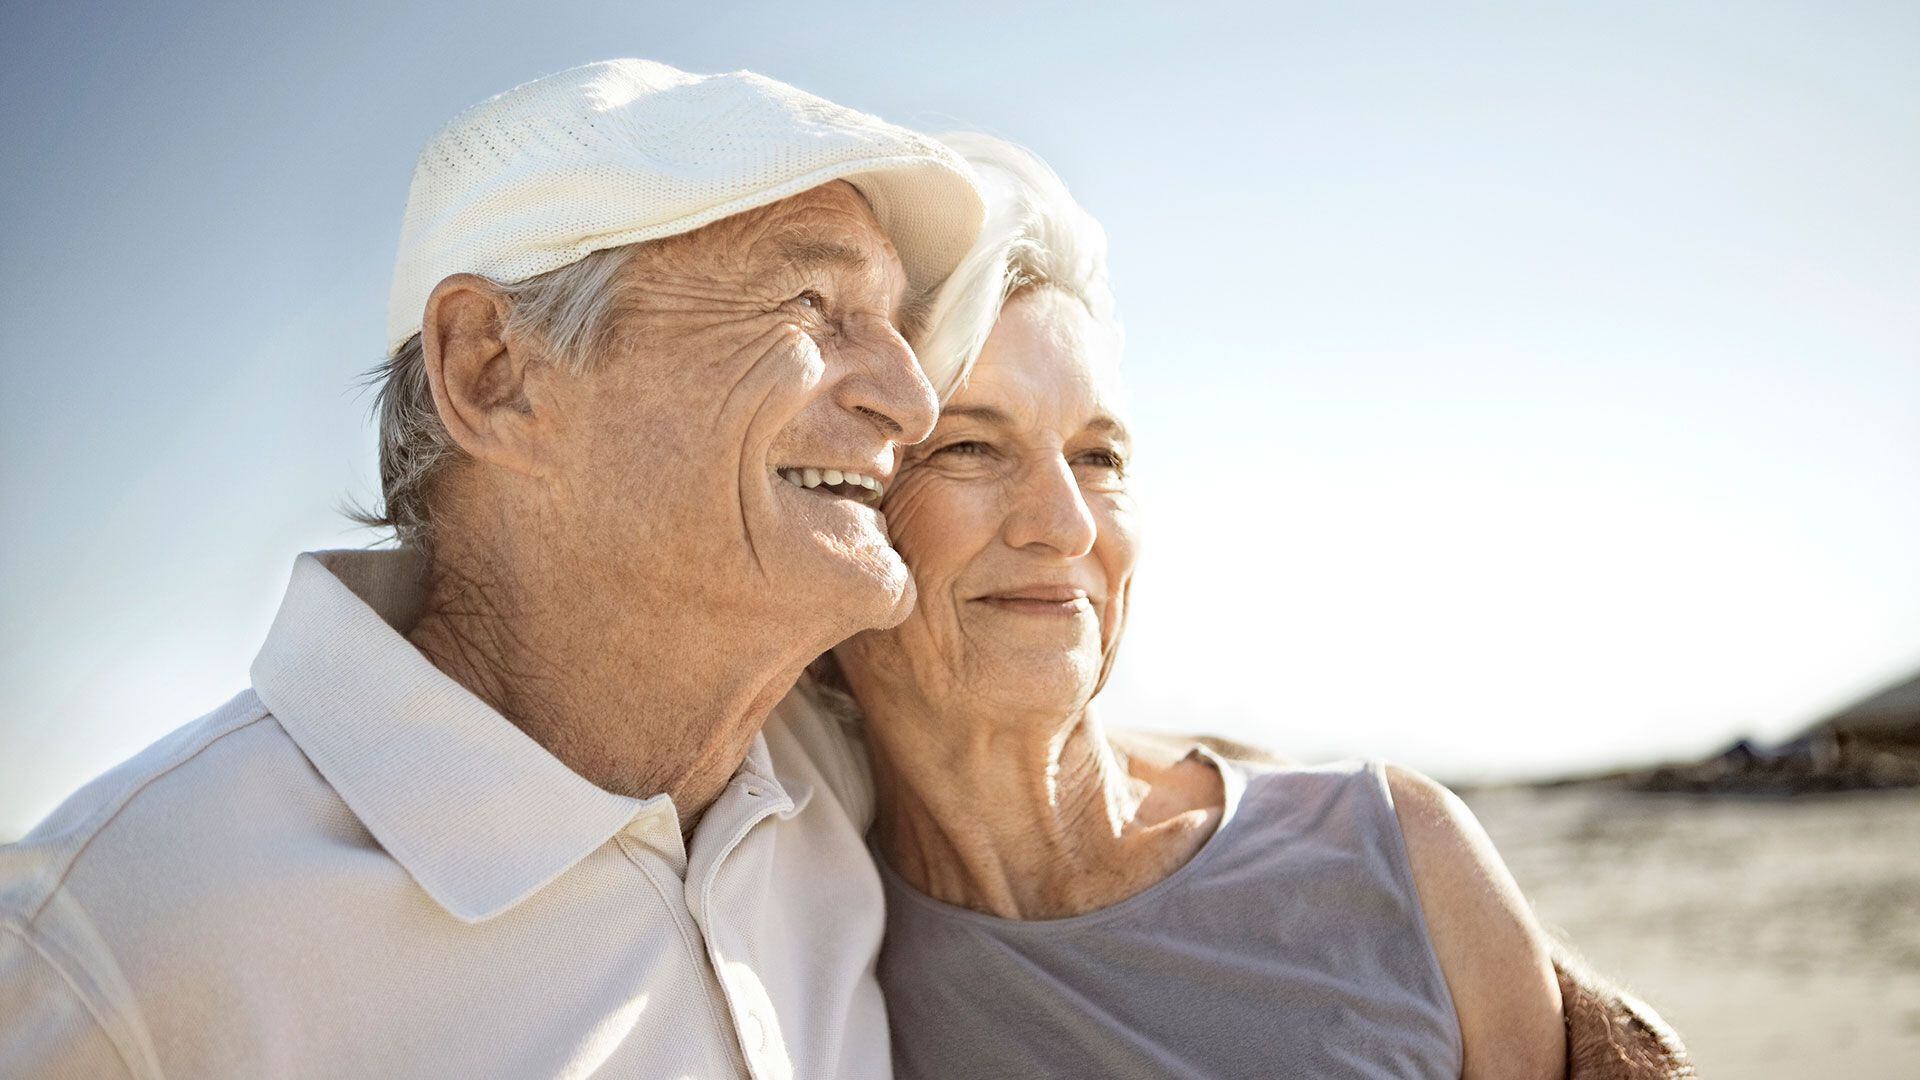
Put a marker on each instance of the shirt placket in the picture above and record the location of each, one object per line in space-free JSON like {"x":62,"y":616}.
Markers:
{"x":649,"y":843}
{"x":746,"y":806}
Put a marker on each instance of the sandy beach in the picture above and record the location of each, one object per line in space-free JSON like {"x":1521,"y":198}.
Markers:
{"x":1780,"y":937}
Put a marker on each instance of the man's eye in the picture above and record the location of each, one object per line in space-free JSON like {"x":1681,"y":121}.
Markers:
{"x":812,"y":299}
{"x":966,"y":448}
{"x":1105,"y":459}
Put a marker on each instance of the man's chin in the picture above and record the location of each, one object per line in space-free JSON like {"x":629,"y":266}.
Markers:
{"x":889,"y":584}
{"x":904,"y":597}
{"x":865,"y":588}
{"x":850,"y":574}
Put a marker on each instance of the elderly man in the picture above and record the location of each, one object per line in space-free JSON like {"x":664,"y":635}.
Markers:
{"x":499,"y":803}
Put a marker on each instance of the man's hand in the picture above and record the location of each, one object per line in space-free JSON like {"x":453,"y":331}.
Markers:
{"x":1612,"y":1035}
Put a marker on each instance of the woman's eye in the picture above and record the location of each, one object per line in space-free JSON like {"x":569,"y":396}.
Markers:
{"x":1105,"y":459}
{"x":966,"y":448}
{"x":811,"y":299}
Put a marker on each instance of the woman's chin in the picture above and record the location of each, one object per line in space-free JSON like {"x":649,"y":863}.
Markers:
{"x":1057,"y":682}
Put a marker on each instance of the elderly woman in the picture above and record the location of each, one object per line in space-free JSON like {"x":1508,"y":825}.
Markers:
{"x":1058,"y":906}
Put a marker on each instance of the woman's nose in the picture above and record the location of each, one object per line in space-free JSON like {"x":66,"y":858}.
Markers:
{"x":1050,"y":513}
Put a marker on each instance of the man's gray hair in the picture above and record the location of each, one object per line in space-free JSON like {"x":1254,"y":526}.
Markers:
{"x":1035,"y":235}
{"x":570,"y":312}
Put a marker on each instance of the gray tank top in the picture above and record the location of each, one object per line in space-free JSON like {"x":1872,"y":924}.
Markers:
{"x":1291,"y":944}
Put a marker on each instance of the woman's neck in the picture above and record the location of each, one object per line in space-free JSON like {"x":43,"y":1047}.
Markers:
{"x":1031,"y":817}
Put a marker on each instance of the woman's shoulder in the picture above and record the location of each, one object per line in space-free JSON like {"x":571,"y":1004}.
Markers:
{"x":1166,"y":748}
{"x":1495,"y":956}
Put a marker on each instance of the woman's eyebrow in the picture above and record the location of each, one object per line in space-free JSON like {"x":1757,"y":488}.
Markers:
{"x":986,"y":414}
{"x":1102,"y":424}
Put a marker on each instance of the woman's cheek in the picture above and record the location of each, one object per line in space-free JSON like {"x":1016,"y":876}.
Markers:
{"x":1114,"y":619}
{"x":904,"y":518}
{"x":938,"y":522}
{"x":1117,"y":550}
{"x":1119,"y":542}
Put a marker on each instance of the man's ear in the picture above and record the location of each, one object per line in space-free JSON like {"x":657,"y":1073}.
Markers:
{"x":480,"y":378}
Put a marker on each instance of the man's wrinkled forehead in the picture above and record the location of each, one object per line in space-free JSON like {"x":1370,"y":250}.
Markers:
{"x":831,"y":228}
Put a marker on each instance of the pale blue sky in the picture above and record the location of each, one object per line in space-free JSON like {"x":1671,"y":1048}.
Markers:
{"x":1518,"y":387}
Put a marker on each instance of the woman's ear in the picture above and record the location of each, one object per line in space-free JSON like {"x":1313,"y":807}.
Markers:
{"x":479,"y":378}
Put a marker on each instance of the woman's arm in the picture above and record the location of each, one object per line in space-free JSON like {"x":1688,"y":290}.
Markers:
{"x":1496,"y":958}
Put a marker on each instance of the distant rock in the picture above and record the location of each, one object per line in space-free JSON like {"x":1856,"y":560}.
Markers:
{"x":1817,"y":762}
{"x":1888,"y":720}
{"x":1870,"y":745}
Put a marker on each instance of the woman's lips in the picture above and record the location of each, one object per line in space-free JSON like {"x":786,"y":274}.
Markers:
{"x":1040,"y":600}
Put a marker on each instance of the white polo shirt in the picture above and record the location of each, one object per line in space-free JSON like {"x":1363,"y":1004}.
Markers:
{"x":359,"y":869}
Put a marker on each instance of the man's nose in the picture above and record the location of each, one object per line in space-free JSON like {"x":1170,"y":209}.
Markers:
{"x":888,"y":386}
{"x":1050,"y":513}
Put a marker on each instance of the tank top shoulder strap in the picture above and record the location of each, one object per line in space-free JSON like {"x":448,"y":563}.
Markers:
{"x":1338,"y":817}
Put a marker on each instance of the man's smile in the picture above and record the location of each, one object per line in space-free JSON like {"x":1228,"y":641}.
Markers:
{"x":834,"y":483}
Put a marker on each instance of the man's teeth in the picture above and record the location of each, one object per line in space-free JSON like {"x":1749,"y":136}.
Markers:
{"x":812,"y":478}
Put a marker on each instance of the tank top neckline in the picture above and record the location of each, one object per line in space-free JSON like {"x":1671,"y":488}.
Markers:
{"x":1233,"y":783}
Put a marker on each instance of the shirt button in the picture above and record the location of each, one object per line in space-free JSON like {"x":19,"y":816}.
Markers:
{"x":756,"y":1033}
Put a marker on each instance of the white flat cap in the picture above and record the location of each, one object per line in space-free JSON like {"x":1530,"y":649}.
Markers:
{"x":628,"y":150}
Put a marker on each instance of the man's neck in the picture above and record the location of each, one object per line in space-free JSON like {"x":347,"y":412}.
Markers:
{"x":643,"y":700}
{"x":1030,"y":819}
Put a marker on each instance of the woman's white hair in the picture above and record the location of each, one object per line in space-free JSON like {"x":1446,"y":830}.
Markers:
{"x":1035,"y":235}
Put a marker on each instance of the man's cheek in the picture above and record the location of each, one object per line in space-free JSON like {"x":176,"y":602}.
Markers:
{"x":772,"y":412}
{"x":786,"y":363}
{"x":661,"y":497}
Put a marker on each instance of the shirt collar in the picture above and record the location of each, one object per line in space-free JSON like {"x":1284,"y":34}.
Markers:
{"x":481,"y":815}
